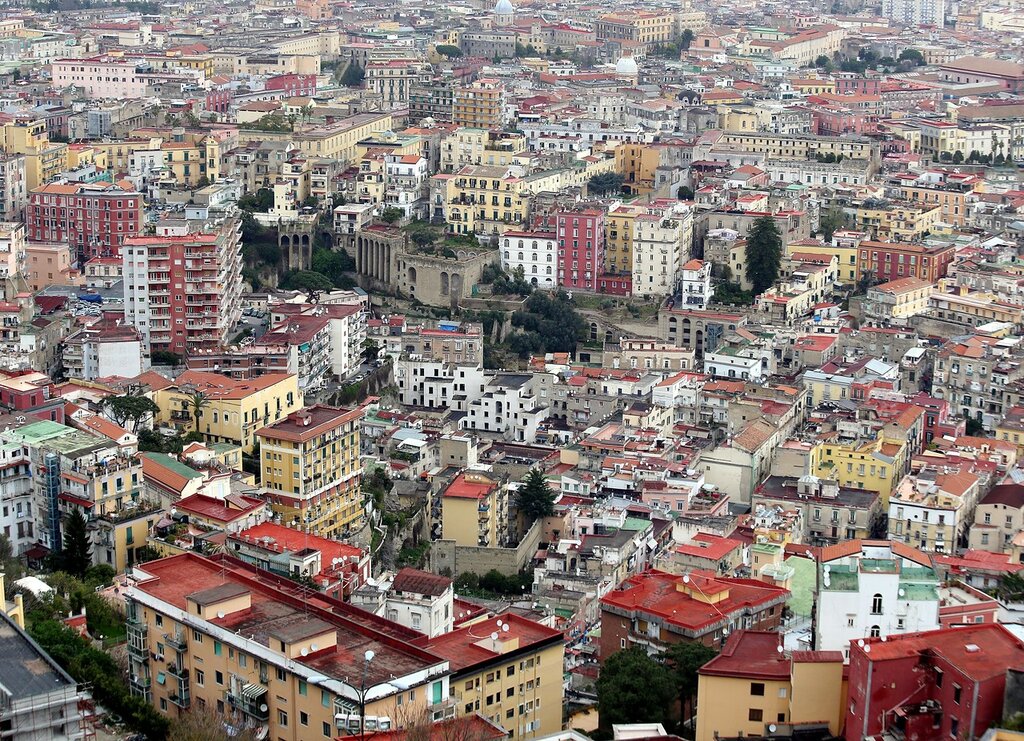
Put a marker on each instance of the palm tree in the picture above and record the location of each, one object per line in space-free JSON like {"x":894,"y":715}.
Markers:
{"x":197,"y":402}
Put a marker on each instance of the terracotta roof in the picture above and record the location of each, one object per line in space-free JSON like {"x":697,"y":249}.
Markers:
{"x":420,"y":582}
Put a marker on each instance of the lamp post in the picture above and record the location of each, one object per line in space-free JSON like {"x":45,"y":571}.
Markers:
{"x":368,"y":657}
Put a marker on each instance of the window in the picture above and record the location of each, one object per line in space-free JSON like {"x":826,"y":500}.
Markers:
{"x":755,"y":715}
{"x":875,"y":631}
{"x":282,"y":718}
{"x":303,"y":688}
{"x":757,"y":689}
{"x":326,"y":728}
{"x":938,"y":677}
{"x":200,"y":677}
{"x":956,"y":693}
{"x":954,"y":727}
{"x":303,"y":718}
{"x":876,"y":604}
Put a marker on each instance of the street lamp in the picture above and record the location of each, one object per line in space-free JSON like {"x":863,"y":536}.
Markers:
{"x":368,"y":657}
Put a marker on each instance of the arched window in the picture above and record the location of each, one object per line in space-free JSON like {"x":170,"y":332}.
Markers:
{"x":520,"y":256}
{"x":534,"y":244}
{"x":506,"y":254}
{"x":876,"y":604}
{"x":520,"y":243}
{"x":875,"y":631}
{"x":549,"y":270}
{"x":534,"y":257}
{"x":550,"y":258}
{"x":533,"y":269}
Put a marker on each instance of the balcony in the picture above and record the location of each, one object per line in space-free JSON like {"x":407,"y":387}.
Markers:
{"x":182,"y":698}
{"x":177,"y":670}
{"x":251,"y":702}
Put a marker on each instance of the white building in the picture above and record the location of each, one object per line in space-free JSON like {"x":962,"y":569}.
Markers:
{"x":16,"y":520}
{"x":535,"y":252}
{"x":681,"y":392}
{"x":915,"y":12}
{"x":406,"y":184}
{"x":109,"y":346}
{"x":740,"y":361}
{"x":873,"y":588}
{"x":12,"y":249}
{"x":512,"y":405}
{"x":695,"y":285}
{"x":661,"y":244}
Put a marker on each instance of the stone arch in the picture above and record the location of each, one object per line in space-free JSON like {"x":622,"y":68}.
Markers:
{"x":456,"y":286}
{"x":593,"y":331}
{"x":412,"y":279}
{"x":445,"y":284}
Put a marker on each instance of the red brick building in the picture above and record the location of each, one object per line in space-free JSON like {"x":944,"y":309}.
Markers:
{"x":94,"y":218}
{"x":655,"y":608}
{"x":580,"y":247}
{"x":939,"y":684}
{"x":293,"y":84}
{"x":887,"y":261}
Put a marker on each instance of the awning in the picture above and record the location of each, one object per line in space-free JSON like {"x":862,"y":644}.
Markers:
{"x":253,"y":691}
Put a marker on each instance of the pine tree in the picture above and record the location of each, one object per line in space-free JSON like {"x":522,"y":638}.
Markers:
{"x":353,"y":75}
{"x":77,"y":554}
{"x":764,"y":253}
{"x":536,"y":499}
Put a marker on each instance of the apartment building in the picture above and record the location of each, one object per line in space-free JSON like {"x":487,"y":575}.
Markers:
{"x":661,"y":244}
{"x":752,"y":683}
{"x":507,"y":669}
{"x":974,"y":375}
{"x":480,"y":198}
{"x":953,"y":192}
{"x":248,"y":645}
{"x":655,"y":609}
{"x":876,"y":462}
{"x":17,"y":522}
{"x":640,"y":29}
{"x":932,"y":509}
{"x":478,"y":146}
{"x":872,"y":588}
{"x":28,"y":137}
{"x":310,"y":467}
{"x":998,"y":518}
{"x":231,"y":410}
{"x":535,"y":253}
{"x":474,"y":510}
{"x":108,"y":346}
{"x":183,"y":291}
{"x":95,"y":218}
{"x":893,"y":260}
{"x":580,"y":247}
{"x":393,"y":79}
{"x":830,"y":513}
{"x":895,"y":301}
{"x":512,"y":405}
{"x":443,"y":341}
{"x":618,"y":239}
{"x":13,"y":187}
{"x":480,"y":105}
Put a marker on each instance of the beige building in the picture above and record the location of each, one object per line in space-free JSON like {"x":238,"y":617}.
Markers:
{"x":932,"y":510}
{"x":474,"y":510}
{"x":48,"y":264}
{"x":998,"y":519}
{"x":896,"y":301}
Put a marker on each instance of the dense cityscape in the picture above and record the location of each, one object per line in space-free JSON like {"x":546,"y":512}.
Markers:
{"x":529,"y":369}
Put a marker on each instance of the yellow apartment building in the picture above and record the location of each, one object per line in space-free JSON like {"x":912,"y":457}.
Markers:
{"x":231,"y":410}
{"x":208,"y":633}
{"x":897,"y":222}
{"x":44,"y":160}
{"x":508,"y":669}
{"x":846,"y":257}
{"x":310,"y":467}
{"x":118,"y":154}
{"x":119,"y":535}
{"x":751,"y":684}
{"x":472,"y":146}
{"x":799,"y":146}
{"x":637,"y":163}
{"x":641,"y":28}
{"x":876,"y":464}
{"x":335,"y":141}
{"x":618,"y":237}
{"x":482,"y":199}
{"x":190,"y":157}
{"x":480,"y":105}
{"x":953,"y":200}
{"x":83,"y":155}
{"x":474,"y":510}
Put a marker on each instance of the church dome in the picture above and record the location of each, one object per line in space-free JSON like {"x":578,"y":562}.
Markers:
{"x":504,"y":7}
{"x":626,"y":67}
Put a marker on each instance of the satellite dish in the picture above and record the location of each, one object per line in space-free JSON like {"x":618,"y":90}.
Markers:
{"x":313,"y":647}
{"x":686,"y":578}
{"x":499,"y":623}
{"x":494,"y":636}
{"x":867,"y":649}
{"x":884,"y":639}
{"x":220,"y":614}
{"x":772,"y":728}
{"x":780,"y":649}
{"x":903,"y":593}
{"x":505,"y":627}
{"x":304,"y":652}
{"x":264,"y":708}
{"x":861,"y":643}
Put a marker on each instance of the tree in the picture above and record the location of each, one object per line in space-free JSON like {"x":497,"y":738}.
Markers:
{"x":197,"y":401}
{"x":833,"y":220}
{"x":10,"y":564}
{"x":686,"y":38}
{"x":824,"y":62}
{"x":911,"y":55}
{"x":958,"y":157}
{"x":764,"y":253}
{"x":685,"y":660}
{"x":423,"y":238}
{"x":974,"y":428}
{"x":634,"y":688}
{"x":685,"y":193}
{"x":202,"y":182}
{"x":262,"y":201}
{"x":130,"y":409}
{"x":605,"y":183}
{"x":391,"y":215}
{"x":306,"y":280}
{"x":353,"y":75}
{"x":202,"y":723}
{"x":536,"y":499}
{"x":1011,"y":587}
{"x":550,"y":323}
{"x":448,"y":50}
{"x":76,"y":555}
